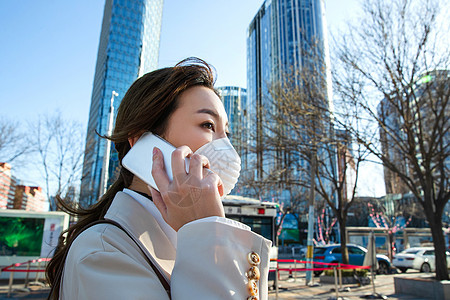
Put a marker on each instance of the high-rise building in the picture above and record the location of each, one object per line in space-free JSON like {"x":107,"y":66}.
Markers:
{"x":346,"y":166}
{"x":235,"y":101}
{"x":285,"y":39}
{"x":29,"y":198}
{"x":5,"y":185}
{"x":426,"y":107}
{"x":128,"y":48}
{"x":393,"y":183}
{"x":8,"y":185}
{"x":18,"y":196}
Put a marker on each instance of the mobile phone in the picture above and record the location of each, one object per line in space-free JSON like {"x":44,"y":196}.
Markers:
{"x":139,"y":159}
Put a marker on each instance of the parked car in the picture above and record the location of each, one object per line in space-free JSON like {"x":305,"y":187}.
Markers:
{"x":418,"y":258}
{"x":299,"y":250}
{"x":332,"y":254}
{"x":404,"y":260}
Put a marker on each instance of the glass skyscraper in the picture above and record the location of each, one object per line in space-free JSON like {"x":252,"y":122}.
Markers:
{"x":281,"y":39}
{"x":128,"y":48}
{"x":235,"y":101}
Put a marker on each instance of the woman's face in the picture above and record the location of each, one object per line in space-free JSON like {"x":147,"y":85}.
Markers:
{"x":199,"y":119}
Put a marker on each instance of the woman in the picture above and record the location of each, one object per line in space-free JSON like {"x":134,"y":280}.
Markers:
{"x":177,"y":241}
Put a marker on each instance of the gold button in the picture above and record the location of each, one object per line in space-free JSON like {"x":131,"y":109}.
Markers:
{"x":252,"y":298}
{"x":252,"y":287}
{"x":253,"y":273}
{"x":253,"y":258}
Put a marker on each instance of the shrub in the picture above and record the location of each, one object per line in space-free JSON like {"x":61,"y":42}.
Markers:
{"x":349,"y":273}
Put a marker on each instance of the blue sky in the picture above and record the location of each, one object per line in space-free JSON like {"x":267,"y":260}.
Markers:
{"x":49,"y":47}
{"x":48,"y":50}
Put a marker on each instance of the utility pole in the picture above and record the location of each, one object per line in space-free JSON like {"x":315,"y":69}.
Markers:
{"x":312,"y":195}
{"x":105,"y":174}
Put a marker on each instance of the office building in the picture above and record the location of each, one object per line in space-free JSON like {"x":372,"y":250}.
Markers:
{"x":426,"y":107}
{"x":346,"y":166}
{"x":285,"y":39}
{"x":235,"y":101}
{"x":6,"y":185}
{"x":128,"y":48}
{"x":393,"y":183}
{"x":29,"y":198}
{"x":14,"y":195}
{"x":17,"y":196}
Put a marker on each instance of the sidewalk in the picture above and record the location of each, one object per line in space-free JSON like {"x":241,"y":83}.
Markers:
{"x":288,"y":289}
{"x":34,"y":291}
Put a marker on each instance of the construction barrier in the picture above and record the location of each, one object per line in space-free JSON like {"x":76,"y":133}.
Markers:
{"x":336,"y":267}
{"x":25,"y":267}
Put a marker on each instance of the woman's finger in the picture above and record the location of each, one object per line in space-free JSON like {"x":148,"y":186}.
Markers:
{"x":179,"y":161}
{"x":215,"y":207}
{"x":206,"y":172}
{"x":159,"y":171}
{"x":197,"y":165}
{"x":214,"y":180}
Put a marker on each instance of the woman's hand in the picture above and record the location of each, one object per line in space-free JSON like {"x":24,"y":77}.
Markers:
{"x":190,"y":196}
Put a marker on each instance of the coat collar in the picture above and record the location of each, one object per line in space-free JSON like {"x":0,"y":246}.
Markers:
{"x":144,"y":228}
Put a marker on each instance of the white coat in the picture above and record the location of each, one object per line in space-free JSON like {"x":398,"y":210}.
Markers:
{"x":209,"y":262}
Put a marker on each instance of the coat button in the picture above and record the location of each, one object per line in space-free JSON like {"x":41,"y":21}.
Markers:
{"x":252,"y":298}
{"x":253,"y":258}
{"x":253,"y":273}
{"x":252,"y":288}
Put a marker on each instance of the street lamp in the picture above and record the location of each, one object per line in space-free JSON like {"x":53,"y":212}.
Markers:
{"x":105,"y":166}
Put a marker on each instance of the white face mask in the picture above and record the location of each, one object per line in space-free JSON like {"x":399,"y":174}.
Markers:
{"x":224,"y":161}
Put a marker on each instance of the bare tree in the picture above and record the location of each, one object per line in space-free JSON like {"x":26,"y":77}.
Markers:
{"x":13,"y":143}
{"x":338,"y":183}
{"x":301,"y":148}
{"x":265,"y":175}
{"x":393,"y":66}
{"x":59,"y":144}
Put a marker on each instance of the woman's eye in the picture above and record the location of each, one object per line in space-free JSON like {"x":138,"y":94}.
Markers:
{"x":208,"y":125}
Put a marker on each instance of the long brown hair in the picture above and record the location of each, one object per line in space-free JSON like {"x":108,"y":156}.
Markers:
{"x":146,"y":106}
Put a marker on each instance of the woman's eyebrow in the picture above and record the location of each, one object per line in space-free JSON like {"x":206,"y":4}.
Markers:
{"x":208,"y":111}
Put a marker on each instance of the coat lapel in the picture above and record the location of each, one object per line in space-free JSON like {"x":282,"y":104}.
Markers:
{"x":145,"y":229}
